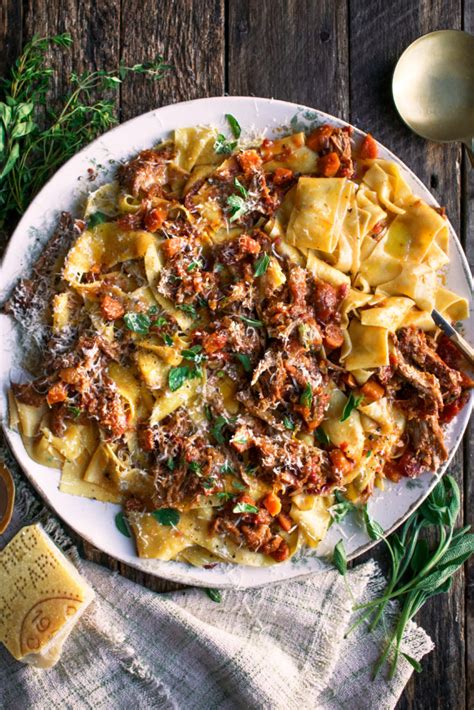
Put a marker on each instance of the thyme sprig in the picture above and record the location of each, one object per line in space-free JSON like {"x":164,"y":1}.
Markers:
{"x":35,"y":139}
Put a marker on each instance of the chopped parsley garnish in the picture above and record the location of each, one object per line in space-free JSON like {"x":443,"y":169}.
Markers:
{"x":234,"y":125}
{"x":121,"y":524}
{"x":288,"y":423}
{"x":306,"y":398}
{"x":216,"y":430}
{"x":222,"y":146}
{"x":96,"y":218}
{"x":187,"y":308}
{"x":243,"y":190}
{"x":225,"y":495}
{"x":166,"y":516}
{"x":339,"y":510}
{"x":195,"y":264}
{"x":261,"y":265}
{"x":177,"y":376}
{"x":170,"y":464}
{"x":252,"y":321}
{"x":194,"y":354}
{"x":238,"y":207}
{"x":167,"y":339}
{"x":368,"y":454}
{"x":137,"y":322}
{"x":215,"y":595}
{"x":322,"y":437}
{"x":74,"y":411}
{"x":244,"y":361}
{"x":244,"y":508}
{"x":195,"y":467}
{"x":352,"y":403}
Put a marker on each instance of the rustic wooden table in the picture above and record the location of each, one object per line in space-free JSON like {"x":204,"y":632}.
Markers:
{"x":334,"y":55}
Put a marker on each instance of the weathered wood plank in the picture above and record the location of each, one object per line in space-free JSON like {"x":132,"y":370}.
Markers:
{"x":295,"y":50}
{"x":190,"y":35}
{"x":379,"y":32}
{"x":11,"y":32}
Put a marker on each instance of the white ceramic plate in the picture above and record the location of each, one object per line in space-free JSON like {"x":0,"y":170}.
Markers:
{"x":93,"y":520}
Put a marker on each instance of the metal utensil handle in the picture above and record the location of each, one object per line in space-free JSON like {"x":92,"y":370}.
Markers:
{"x":456,"y":338}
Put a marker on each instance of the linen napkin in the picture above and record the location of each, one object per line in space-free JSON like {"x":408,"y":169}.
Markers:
{"x":275,"y":647}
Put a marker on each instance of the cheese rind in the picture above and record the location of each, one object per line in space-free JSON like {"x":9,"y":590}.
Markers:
{"x":42,"y":595}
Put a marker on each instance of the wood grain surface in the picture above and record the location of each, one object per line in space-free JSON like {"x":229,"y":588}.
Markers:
{"x":337,"y":56}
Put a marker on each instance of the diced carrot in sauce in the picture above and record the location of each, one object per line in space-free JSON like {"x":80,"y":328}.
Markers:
{"x":57,"y":393}
{"x":340,"y":463}
{"x":249,"y":161}
{"x":71,"y":375}
{"x":333,"y":337}
{"x":155,"y":218}
{"x":368,"y":149}
{"x":272,"y":503}
{"x":317,"y":140}
{"x":285,"y":522}
{"x":111,"y":308}
{"x":282,"y":175}
{"x":372,"y":391}
{"x":214,"y":342}
{"x":329,"y":164}
{"x":172,"y":246}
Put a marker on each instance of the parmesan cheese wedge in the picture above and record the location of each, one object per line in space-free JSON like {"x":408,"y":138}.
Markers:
{"x":42,"y":596}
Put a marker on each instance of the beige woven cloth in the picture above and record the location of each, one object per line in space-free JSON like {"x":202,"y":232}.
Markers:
{"x":278,"y":647}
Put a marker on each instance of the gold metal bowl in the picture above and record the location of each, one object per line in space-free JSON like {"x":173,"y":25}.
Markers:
{"x":433,"y":87}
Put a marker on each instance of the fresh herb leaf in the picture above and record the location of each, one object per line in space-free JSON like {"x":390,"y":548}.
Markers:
{"x":96,"y":218}
{"x":252,"y":321}
{"x":222,"y":146}
{"x":413,"y":662}
{"x":166,"y":516}
{"x":227,"y":468}
{"x":244,"y":508}
{"x":194,"y":354}
{"x":244,"y":361}
{"x":137,"y":322}
{"x":339,"y":558}
{"x":160,"y":322}
{"x":322,"y":437}
{"x":195,"y":264}
{"x":195,"y":467}
{"x":261,"y":265}
{"x":170,"y":464}
{"x":352,"y":403}
{"x":239,"y":486}
{"x":216,"y":430}
{"x":74,"y":411}
{"x":225,"y":495}
{"x":288,"y":423}
{"x":208,"y":413}
{"x":122,"y":525}
{"x":234,"y":125}
{"x":374,"y":530}
{"x":341,"y":508}
{"x":177,"y":376}
{"x":167,"y":339}
{"x":208,"y":483}
{"x":215,"y":595}
{"x":153,"y":310}
{"x":243,"y":190}
{"x":238,"y":207}
{"x":187,"y":308}
{"x":306,"y":398}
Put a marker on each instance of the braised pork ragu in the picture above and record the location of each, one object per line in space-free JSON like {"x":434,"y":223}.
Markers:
{"x":262,"y":325}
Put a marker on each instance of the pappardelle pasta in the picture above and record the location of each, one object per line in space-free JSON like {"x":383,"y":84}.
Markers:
{"x":232,"y":335}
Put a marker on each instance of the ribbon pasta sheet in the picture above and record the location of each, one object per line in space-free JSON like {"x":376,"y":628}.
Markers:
{"x":240,"y":336}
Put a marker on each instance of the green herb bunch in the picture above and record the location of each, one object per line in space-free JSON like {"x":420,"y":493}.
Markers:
{"x":416,"y":571}
{"x":36,"y":139}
